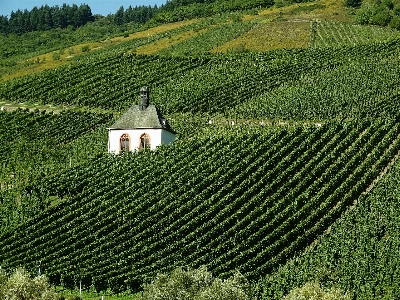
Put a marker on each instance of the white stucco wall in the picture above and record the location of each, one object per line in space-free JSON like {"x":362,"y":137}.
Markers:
{"x":157,"y":137}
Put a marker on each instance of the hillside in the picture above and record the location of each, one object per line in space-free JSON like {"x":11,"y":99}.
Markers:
{"x":360,"y":251}
{"x":288,"y":141}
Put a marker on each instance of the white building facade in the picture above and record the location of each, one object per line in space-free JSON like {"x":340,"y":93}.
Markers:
{"x":142,"y":126}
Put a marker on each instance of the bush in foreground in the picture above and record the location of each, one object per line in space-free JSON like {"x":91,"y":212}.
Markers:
{"x":313,"y":291}
{"x":197,"y":284}
{"x":20,"y":286}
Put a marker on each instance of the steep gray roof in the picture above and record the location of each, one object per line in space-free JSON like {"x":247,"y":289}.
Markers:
{"x":148,"y":118}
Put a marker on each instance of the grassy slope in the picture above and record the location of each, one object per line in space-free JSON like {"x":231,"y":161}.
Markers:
{"x":65,"y":56}
{"x":306,"y":18}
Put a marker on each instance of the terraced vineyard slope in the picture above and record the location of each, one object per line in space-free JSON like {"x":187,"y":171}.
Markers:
{"x":360,"y":251}
{"x":37,"y":144}
{"x":283,"y":147}
{"x":306,"y":84}
{"x":246,"y":201}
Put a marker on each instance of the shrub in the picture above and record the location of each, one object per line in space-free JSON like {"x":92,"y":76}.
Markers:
{"x":396,"y":10}
{"x":382,"y":17}
{"x":388,"y":3}
{"x":365,"y":14}
{"x":56,"y":56}
{"x":239,"y":49}
{"x":85,"y":48}
{"x":236,"y":287}
{"x":73,"y":298}
{"x":353,"y":3}
{"x":3,"y":280}
{"x":313,"y":291}
{"x":197,"y":284}
{"x":395,"y":22}
{"x":20,"y":286}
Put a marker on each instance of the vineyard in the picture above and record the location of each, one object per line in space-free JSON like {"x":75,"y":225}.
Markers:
{"x":38,"y":144}
{"x":361,"y":250}
{"x":284,"y":167}
{"x":120,"y":224}
{"x":304,"y":84}
{"x":334,"y":34}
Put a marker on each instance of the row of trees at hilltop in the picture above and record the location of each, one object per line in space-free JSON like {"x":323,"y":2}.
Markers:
{"x":139,"y":14}
{"x":45,"y":18}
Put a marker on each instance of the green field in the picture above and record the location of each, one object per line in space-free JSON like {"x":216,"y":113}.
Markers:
{"x":285,"y":166}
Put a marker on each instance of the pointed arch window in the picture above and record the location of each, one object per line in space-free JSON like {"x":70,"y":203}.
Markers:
{"x":124,"y":141}
{"x":144,"y":141}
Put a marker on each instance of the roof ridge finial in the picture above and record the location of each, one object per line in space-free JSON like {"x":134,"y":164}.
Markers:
{"x":144,"y":98}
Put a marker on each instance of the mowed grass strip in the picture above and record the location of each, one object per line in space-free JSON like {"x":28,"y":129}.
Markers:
{"x":271,"y":36}
{"x":328,"y":10}
{"x":167,"y":42}
{"x":155,"y":30}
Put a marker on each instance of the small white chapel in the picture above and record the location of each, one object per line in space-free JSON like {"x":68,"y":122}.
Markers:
{"x":142,"y":126}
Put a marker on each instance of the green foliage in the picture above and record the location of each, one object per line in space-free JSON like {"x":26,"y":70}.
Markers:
{"x":56,"y":56}
{"x":364,"y":14}
{"x":353,"y":3}
{"x":220,"y":200}
{"x":173,"y":11}
{"x":213,"y":37}
{"x":238,"y":49}
{"x":3,"y":279}
{"x":396,"y":10}
{"x":271,"y":85}
{"x":14,"y":49}
{"x":387,"y":3}
{"x":196,"y":284}
{"x":360,"y":254}
{"x":36,"y":145}
{"x":395,"y":22}
{"x":381,"y":16}
{"x":330,"y":94}
{"x":20,"y":286}
{"x":119,"y":16}
{"x":73,"y":298}
{"x":337,"y":35}
{"x":85,"y":48}
{"x":377,"y":12}
{"x":45,"y":18}
{"x":313,"y":291}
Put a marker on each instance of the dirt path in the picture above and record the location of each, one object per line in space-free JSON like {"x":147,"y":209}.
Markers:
{"x":4,"y":106}
{"x":49,"y":108}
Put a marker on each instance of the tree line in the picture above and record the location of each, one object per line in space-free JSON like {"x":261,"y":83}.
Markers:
{"x":45,"y":18}
{"x":139,"y":14}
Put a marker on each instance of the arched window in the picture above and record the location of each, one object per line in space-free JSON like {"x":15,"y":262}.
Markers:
{"x":124,"y":141}
{"x":144,"y":141}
